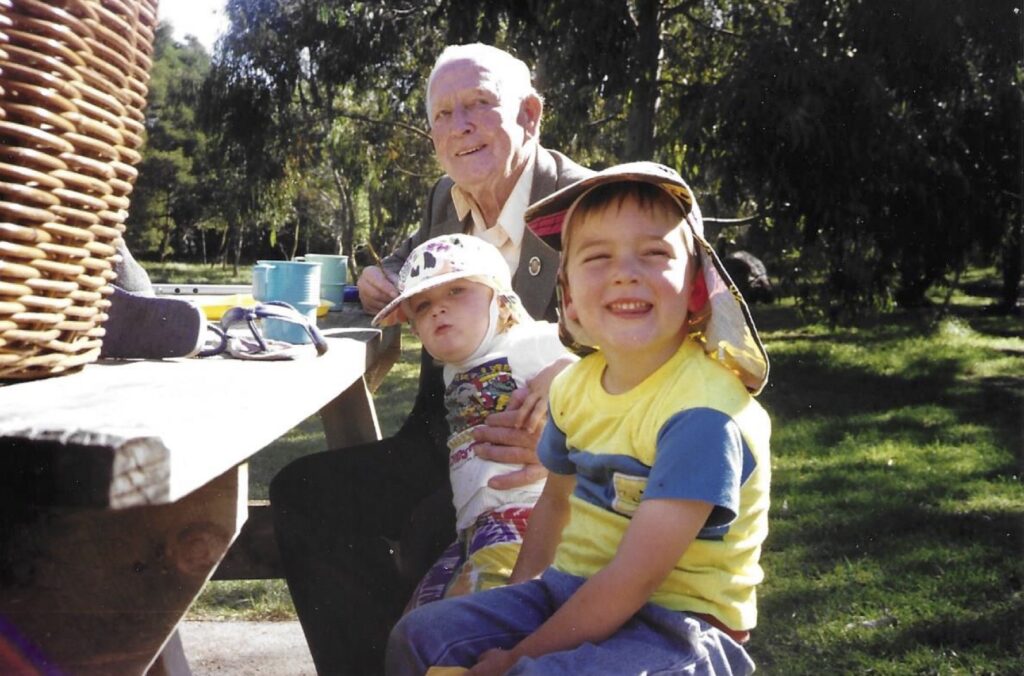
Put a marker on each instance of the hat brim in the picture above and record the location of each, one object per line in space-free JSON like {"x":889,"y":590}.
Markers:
{"x":643,"y":172}
{"x":392,"y":312}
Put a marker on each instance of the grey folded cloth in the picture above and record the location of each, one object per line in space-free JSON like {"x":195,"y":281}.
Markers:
{"x":148,"y":327}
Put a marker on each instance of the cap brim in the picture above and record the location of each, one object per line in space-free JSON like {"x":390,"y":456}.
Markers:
{"x":645,"y":172}
{"x":392,"y":314}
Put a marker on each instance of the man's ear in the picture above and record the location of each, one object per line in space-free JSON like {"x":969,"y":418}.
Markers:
{"x":530,"y":111}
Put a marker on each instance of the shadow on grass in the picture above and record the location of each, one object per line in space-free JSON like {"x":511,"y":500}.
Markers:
{"x":897,"y":506}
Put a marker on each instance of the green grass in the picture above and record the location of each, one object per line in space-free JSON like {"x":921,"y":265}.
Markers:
{"x":897,"y":522}
{"x":169,"y":272}
{"x":896,"y":527}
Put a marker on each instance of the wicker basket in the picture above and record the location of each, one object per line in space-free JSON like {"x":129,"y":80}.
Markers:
{"x":73,"y":77}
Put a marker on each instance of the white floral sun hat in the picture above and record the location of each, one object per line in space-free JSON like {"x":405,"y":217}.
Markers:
{"x":725,"y":327}
{"x":444,"y":259}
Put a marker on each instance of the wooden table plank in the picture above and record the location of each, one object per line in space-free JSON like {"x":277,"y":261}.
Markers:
{"x":149,"y":432}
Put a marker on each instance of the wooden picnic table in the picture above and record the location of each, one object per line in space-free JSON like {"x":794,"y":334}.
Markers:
{"x":124,"y":484}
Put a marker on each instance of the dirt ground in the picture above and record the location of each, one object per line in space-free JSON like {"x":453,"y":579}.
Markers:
{"x":246,"y":649}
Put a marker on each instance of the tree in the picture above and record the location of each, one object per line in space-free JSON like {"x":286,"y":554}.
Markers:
{"x":858,"y":128}
{"x":168,"y":206}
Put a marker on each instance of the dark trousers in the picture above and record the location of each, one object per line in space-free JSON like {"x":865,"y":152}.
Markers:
{"x":357,"y":527}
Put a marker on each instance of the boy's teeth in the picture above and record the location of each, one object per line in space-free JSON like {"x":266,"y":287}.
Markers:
{"x":629,"y":307}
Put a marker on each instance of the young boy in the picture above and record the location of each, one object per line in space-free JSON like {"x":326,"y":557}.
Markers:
{"x":456,"y":292}
{"x":648,"y":533}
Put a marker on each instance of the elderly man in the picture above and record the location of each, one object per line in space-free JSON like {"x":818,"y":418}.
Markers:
{"x":357,"y":527}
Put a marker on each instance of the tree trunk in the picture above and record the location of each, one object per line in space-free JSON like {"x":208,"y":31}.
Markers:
{"x":343,"y":229}
{"x":640,"y":129}
{"x":1013,"y":274}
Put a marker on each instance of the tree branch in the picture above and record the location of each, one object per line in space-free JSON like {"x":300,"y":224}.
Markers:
{"x":603,"y":120}
{"x":390,"y":123}
{"x":685,"y":9}
{"x":732,"y":221}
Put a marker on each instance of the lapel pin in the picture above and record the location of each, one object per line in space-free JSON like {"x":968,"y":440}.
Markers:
{"x":534,"y":266}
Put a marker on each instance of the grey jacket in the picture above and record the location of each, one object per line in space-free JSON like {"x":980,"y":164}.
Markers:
{"x":552,"y":172}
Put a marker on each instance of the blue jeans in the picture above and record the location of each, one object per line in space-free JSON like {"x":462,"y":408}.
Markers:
{"x":454,"y":632}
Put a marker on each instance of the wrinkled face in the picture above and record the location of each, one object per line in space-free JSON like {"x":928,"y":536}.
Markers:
{"x":629,"y":275}
{"x":450,"y":319}
{"x":480,"y":135}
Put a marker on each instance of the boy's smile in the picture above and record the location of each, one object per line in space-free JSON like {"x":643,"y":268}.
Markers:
{"x":629,"y":282}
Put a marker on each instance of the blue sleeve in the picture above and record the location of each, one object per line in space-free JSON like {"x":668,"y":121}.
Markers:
{"x":701,"y":455}
{"x":552,"y":451}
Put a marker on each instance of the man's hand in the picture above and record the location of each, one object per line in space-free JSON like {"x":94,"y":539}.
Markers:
{"x":376,"y":289}
{"x":501,"y":440}
{"x":511,"y":436}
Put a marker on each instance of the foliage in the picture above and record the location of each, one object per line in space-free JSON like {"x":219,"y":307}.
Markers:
{"x":168,"y":205}
{"x":872,"y":150}
{"x":881,"y":139}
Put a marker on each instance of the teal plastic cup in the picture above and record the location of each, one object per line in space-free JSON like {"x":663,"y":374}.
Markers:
{"x":333,"y":293}
{"x":333,"y":276}
{"x":333,"y":267}
{"x":259,"y":280}
{"x":298,"y":284}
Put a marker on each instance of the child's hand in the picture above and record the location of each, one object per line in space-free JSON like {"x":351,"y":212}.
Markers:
{"x":495,"y":661}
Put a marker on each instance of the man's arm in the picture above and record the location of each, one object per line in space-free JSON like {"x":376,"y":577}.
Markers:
{"x":658,"y":535}
{"x":376,"y":289}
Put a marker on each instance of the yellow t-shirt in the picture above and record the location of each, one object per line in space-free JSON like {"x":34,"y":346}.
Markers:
{"x":689,"y":431}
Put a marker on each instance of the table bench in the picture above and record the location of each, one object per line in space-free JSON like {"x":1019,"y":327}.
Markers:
{"x":124,"y":484}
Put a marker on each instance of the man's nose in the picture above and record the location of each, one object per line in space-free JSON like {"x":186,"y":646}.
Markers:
{"x":461,"y":123}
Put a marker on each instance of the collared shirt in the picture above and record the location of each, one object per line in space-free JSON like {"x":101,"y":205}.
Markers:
{"x":507,"y":233}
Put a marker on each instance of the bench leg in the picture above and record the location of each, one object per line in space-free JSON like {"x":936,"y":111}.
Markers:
{"x":101,"y":591}
{"x":350,"y":418}
{"x":171,"y":661}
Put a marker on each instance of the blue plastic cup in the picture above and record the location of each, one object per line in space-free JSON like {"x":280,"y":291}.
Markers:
{"x":298,"y":284}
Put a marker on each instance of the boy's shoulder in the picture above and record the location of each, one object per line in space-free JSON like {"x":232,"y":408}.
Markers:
{"x":711,"y":384}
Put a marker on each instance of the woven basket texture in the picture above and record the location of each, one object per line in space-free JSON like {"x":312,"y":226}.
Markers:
{"x":73,"y":76}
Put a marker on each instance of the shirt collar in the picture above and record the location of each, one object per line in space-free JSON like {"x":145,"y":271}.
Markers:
{"x":512,"y":216}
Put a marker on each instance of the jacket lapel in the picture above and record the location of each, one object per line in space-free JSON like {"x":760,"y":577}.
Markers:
{"x":537,"y":261}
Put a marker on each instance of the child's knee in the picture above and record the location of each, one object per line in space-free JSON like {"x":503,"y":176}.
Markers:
{"x":409,"y":639}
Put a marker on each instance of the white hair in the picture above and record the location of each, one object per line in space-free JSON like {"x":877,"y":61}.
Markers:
{"x":514,"y":77}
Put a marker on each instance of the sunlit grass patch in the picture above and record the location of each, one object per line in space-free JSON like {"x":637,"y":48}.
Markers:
{"x":250,"y":600}
{"x":170,"y":272}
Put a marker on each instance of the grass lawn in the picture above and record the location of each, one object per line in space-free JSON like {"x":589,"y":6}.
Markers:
{"x":897,"y":523}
